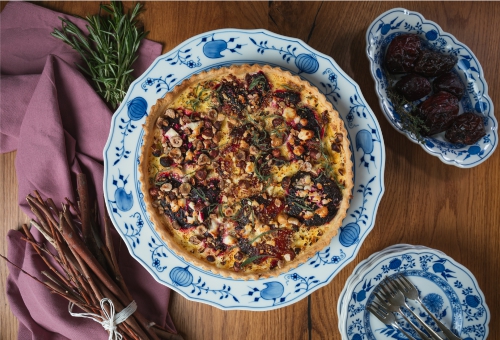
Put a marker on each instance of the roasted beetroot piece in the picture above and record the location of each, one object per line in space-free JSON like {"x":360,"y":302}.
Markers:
{"x":402,"y":53}
{"x":432,"y":64}
{"x":413,"y":86}
{"x":451,"y":83}
{"x":467,"y":128}
{"x":438,"y":111}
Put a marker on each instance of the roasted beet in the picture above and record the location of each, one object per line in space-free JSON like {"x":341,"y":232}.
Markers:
{"x":413,"y":86}
{"x":288,"y":97}
{"x":432,"y":64}
{"x":467,"y":128}
{"x":402,"y":53}
{"x":451,"y":83}
{"x":297,"y":205}
{"x":438,"y":111}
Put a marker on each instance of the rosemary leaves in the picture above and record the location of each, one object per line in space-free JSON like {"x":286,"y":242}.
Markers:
{"x":109,"y":50}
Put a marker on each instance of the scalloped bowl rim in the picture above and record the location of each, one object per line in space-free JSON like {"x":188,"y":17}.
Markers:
{"x":384,"y":101}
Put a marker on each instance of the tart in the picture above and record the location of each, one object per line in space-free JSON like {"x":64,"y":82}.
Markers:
{"x":246,"y":171}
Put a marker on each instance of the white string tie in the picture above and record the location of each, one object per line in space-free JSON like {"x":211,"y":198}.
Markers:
{"x":109,"y":321}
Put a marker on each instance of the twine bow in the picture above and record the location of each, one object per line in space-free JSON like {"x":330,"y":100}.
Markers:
{"x":109,"y":321}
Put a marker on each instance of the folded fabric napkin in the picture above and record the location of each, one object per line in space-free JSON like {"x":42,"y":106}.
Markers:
{"x":59,"y":125}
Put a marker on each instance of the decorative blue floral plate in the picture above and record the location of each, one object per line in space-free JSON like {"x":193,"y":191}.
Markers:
{"x":448,"y":289}
{"x":399,"y":21}
{"x":121,"y":157}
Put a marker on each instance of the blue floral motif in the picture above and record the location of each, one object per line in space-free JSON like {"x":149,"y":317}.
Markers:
{"x":434,"y":302}
{"x":356,"y":326}
{"x":424,"y":260}
{"x":364,"y":141}
{"x":471,"y":305}
{"x":349,"y":234}
{"x":304,"y":283}
{"x":212,"y":48}
{"x":182,"y":57}
{"x":123,"y":201}
{"x":132,"y":232}
{"x":440,"y":268}
{"x":331,"y":90}
{"x":182,"y":277}
{"x":357,"y":107}
{"x":417,"y":28}
{"x":272,"y":291}
{"x":126,"y":127}
{"x":384,"y":28}
{"x":304,"y":62}
{"x":323,"y":258}
{"x":158,"y":253}
{"x":162,"y":84}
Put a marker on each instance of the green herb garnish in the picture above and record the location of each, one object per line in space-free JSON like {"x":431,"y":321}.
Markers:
{"x":109,"y":50}
{"x":404,"y":108}
{"x":200,"y":96}
{"x":262,"y":234}
{"x":260,"y":79}
{"x":251,"y":259}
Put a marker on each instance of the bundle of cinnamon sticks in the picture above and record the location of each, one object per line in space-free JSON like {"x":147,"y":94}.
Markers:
{"x":87,"y":267}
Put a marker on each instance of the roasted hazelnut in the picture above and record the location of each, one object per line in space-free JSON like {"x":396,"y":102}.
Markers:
{"x":277,"y":122}
{"x":253,"y":150}
{"x":218,"y":137}
{"x":166,"y":187}
{"x":220,"y":117}
{"x":194,"y":240}
{"x":175,"y":153}
{"x":240,"y":155}
{"x":159,"y":122}
{"x":185,"y":189}
{"x":170,"y":113}
{"x":207,"y":133}
{"x":153,"y":191}
{"x":203,"y":159}
{"x":176,"y":141}
{"x":212,"y":114}
{"x":298,"y":150}
{"x":213,"y":153}
{"x":201,"y":174}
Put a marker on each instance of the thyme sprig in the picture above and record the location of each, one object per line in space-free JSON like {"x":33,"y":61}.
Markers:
{"x":109,"y":50}
{"x":200,"y":96}
{"x":404,"y":108}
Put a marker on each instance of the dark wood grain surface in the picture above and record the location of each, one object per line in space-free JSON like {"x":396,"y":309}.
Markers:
{"x":425,"y":202}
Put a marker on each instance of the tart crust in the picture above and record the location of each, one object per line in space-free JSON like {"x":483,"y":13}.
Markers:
{"x":163,"y":225}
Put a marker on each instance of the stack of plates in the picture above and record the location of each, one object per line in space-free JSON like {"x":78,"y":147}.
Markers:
{"x":447,"y":288}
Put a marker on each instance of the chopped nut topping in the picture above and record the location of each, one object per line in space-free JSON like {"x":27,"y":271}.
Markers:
{"x":170,"y":113}
{"x":323,"y":212}
{"x":166,"y":187}
{"x":176,"y":141}
{"x":293,"y":220}
{"x":203,"y":159}
{"x":194,"y":240}
{"x":185,"y":189}
{"x":298,"y":150}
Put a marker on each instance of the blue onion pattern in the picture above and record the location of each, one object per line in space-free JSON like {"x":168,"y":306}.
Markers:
{"x":349,"y":234}
{"x":307,"y":63}
{"x":123,"y":200}
{"x":181,"y":276}
{"x":137,"y":108}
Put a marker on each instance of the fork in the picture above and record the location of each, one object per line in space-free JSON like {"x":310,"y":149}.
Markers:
{"x":397,"y":309}
{"x":387,"y":319}
{"x":395,"y":297}
{"x":410,"y":292}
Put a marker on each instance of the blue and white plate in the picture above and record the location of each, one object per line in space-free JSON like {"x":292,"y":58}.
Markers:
{"x":121,"y":157}
{"x":399,"y":21}
{"x":447,"y":288}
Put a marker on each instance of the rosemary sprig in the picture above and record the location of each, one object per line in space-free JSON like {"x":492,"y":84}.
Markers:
{"x":404,"y":108}
{"x":256,"y":81}
{"x":200,"y":96}
{"x":109,"y":50}
{"x":253,"y":258}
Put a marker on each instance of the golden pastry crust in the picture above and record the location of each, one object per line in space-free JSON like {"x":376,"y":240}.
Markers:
{"x":266,"y":216}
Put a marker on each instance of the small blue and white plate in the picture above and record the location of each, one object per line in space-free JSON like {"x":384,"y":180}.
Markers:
{"x":121,"y":157}
{"x":448,"y":289}
{"x":399,"y":21}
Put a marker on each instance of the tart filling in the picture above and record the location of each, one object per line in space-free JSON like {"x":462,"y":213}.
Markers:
{"x":246,"y":170}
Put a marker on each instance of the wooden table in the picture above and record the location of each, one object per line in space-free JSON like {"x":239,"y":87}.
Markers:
{"x":425,"y":202}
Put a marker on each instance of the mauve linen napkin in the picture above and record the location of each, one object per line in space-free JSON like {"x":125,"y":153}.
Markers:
{"x":59,"y":125}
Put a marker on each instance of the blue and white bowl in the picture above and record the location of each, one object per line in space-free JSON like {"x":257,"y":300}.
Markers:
{"x":447,"y":289}
{"x":399,"y":21}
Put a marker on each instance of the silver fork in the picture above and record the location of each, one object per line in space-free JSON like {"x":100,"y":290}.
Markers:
{"x":395,"y":297}
{"x":397,"y":309}
{"x":410,"y":292}
{"x":387,"y":318}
